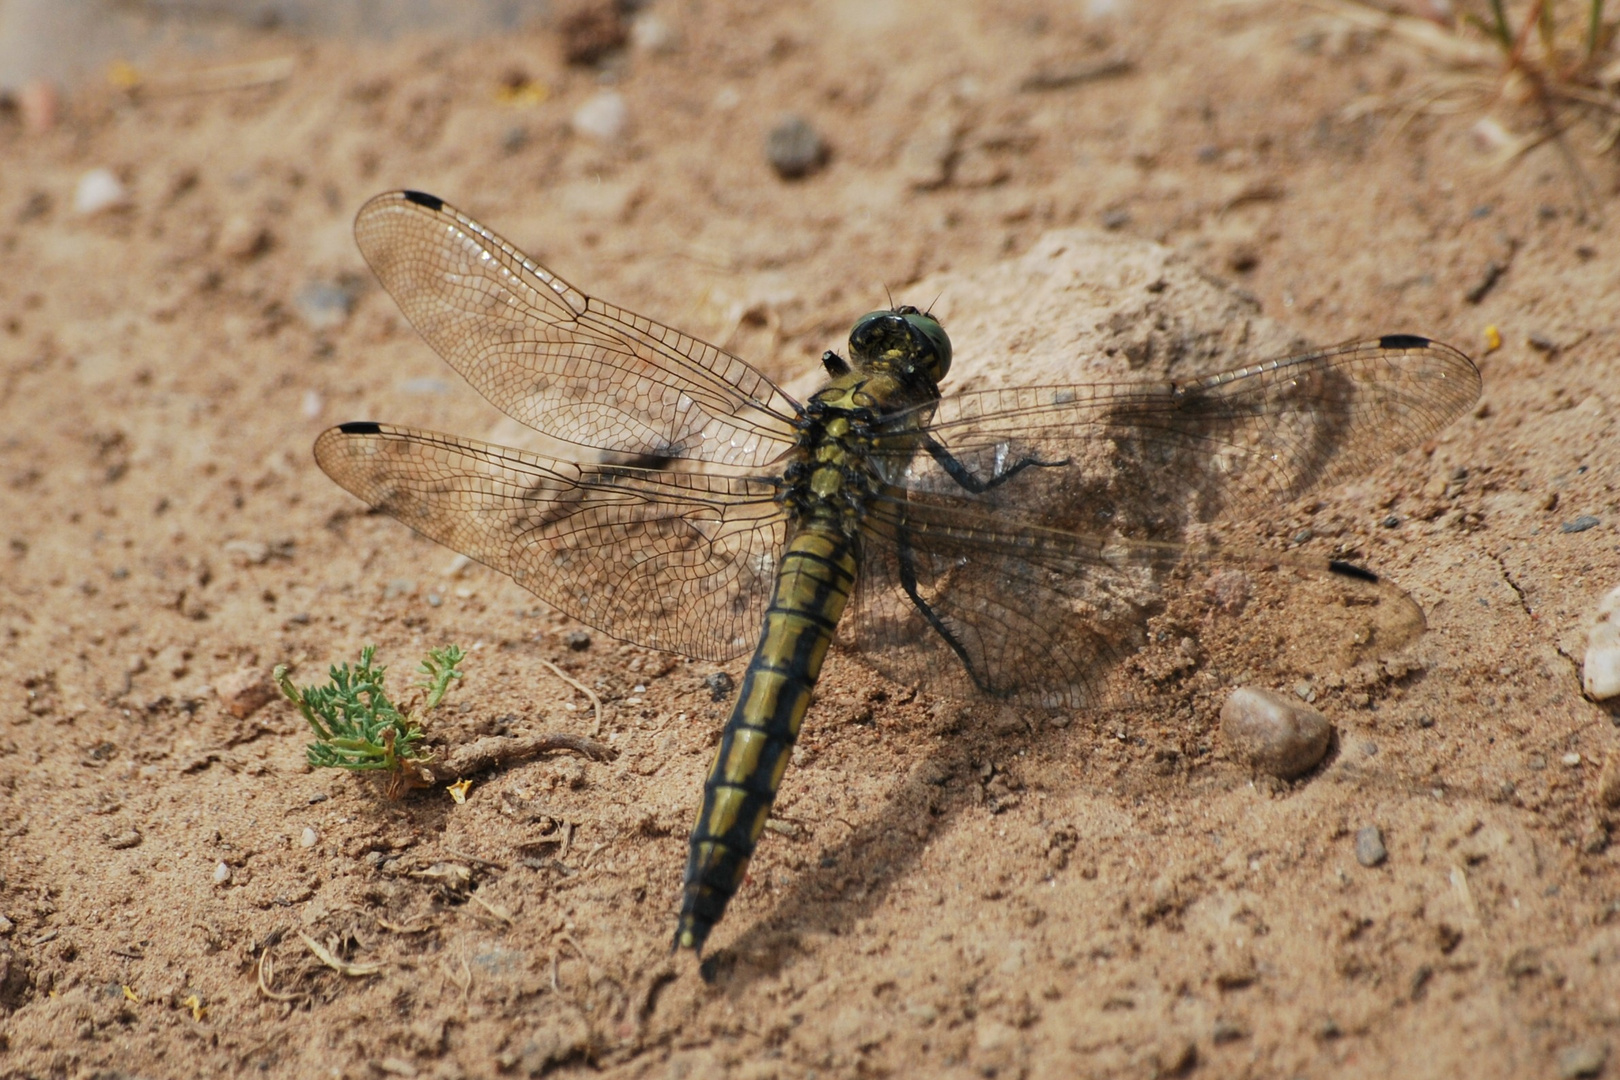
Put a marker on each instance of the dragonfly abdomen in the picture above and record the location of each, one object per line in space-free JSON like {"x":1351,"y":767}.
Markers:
{"x":812,"y":586}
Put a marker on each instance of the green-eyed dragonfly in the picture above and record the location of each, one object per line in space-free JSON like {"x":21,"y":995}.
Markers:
{"x":1006,"y":542}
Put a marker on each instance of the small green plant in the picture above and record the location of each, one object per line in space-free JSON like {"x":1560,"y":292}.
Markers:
{"x":357,"y":727}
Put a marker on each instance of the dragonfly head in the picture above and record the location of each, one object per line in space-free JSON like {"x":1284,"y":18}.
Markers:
{"x":904,"y":341}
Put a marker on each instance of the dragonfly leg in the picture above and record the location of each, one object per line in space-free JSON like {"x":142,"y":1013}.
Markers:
{"x":908,"y":582}
{"x":964,"y":476}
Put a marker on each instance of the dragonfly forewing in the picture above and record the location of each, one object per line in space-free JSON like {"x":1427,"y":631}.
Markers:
{"x":564,"y":363}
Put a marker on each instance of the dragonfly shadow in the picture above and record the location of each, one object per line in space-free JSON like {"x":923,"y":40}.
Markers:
{"x":855,"y":875}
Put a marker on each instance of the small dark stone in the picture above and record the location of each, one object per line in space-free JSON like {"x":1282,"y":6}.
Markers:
{"x":590,"y":29}
{"x":1392,"y":522}
{"x":720,"y":685}
{"x":1303,"y":536}
{"x":318,"y":797}
{"x":578,"y":640}
{"x":1116,"y":219}
{"x":794,"y":148}
{"x":1580,"y":524}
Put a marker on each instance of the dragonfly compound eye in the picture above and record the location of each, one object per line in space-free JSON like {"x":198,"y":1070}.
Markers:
{"x":938,"y":340}
{"x":903,"y":337}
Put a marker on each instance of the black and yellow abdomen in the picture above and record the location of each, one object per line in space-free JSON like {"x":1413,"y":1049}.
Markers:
{"x":813,"y":583}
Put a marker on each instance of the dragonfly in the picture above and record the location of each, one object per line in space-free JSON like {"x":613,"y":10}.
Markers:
{"x":1008,"y":543}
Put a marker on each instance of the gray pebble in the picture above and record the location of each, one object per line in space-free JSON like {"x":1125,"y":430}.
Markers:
{"x":1580,"y":524}
{"x":1370,"y":850}
{"x":794,"y":148}
{"x":1273,"y":734}
{"x":1582,"y":1059}
{"x":324,"y":304}
{"x":577,"y":640}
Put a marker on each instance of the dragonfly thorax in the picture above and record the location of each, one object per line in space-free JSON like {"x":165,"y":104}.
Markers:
{"x":831,"y":476}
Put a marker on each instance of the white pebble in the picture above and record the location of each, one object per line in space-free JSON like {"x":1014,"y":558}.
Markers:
{"x":222,"y":874}
{"x":312,"y":404}
{"x":310,"y":837}
{"x":1600,"y":672}
{"x":651,"y":34}
{"x":604,"y":117}
{"x":98,"y":190}
{"x":1273,"y":733}
{"x":1571,"y":760}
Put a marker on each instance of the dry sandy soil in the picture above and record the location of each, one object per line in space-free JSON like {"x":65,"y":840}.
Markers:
{"x":951,"y":893}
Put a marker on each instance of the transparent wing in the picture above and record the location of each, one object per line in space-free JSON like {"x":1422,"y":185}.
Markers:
{"x":1016,"y":610}
{"x":669,"y":560}
{"x":559,"y":361}
{"x":1151,"y":458}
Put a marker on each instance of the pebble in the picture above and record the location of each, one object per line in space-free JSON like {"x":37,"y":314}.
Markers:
{"x":324,"y":305}
{"x":312,"y":404}
{"x":222,"y":874}
{"x":124,"y":840}
{"x":925,"y":160}
{"x":1600,"y":671}
{"x":245,"y":691}
{"x":1370,"y":850}
{"x":1582,"y":1059}
{"x":1273,"y":734}
{"x":247,"y":552}
{"x":720,"y":685}
{"x":650,"y":34}
{"x":794,"y":148}
{"x":1580,"y":524}
{"x":1571,"y":760}
{"x":243,"y":238}
{"x":604,"y":117}
{"x":98,"y":190}
{"x":577,"y":640}
{"x":310,"y":837}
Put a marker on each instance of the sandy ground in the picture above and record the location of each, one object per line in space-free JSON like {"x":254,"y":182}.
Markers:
{"x":952,"y":893}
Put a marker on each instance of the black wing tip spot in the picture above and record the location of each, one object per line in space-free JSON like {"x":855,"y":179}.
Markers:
{"x":1351,"y":570}
{"x":422,"y":198}
{"x":1404,"y":341}
{"x":361,"y":427}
